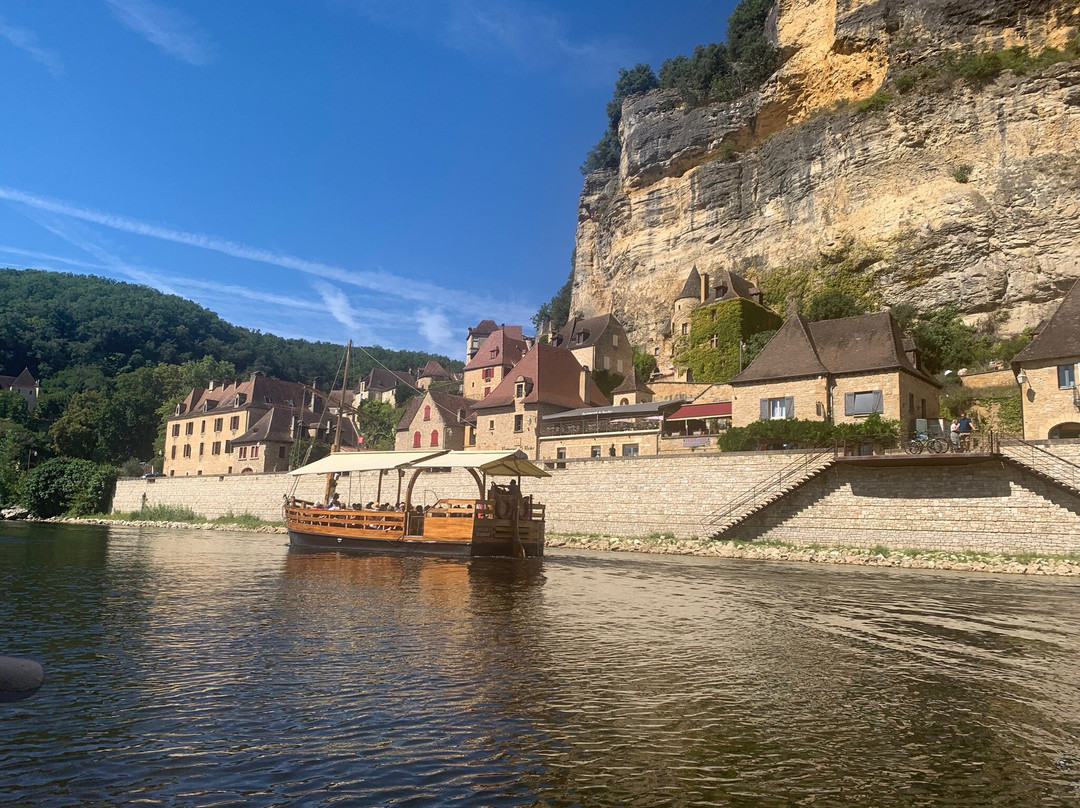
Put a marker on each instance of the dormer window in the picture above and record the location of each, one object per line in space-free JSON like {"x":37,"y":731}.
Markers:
{"x":267,"y":399}
{"x":519,"y":390}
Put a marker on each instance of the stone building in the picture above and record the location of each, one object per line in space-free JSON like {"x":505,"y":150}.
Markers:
{"x":382,"y":385}
{"x":547,"y":380}
{"x":835,"y":370}
{"x":631,"y":390}
{"x":244,"y":427}
{"x":598,"y":343}
{"x":627,"y":430}
{"x":500,"y":351}
{"x":25,"y":385}
{"x":1046,"y":373}
{"x":433,"y":421}
{"x":477,"y":335}
{"x":433,"y":373}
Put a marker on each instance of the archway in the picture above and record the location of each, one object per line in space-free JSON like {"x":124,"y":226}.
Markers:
{"x":1070,"y":429}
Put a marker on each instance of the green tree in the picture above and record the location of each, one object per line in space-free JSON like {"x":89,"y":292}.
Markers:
{"x":299,"y":454}
{"x":644,"y":365}
{"x":67,"y":486}
{"x":379,"y":424}
{"x":13,"y":407}
{"x":607,"y":381}
{"x":556,"y":310}
{"x":832,"y":305}
{"x":76,"y":432}
{"x":605,"y":154}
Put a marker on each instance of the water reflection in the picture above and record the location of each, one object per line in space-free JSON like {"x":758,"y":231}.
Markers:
{"x":211,"y":668}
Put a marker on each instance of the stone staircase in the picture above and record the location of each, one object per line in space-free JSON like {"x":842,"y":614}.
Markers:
{"x":1042,"y":463}
{"x":767,"y":491}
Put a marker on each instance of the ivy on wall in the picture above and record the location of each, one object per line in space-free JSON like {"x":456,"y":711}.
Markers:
{"x":722,"y":325}
{"x":846,"y":269}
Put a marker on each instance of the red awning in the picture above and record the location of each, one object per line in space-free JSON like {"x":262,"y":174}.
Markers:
{"x":694,"y":411}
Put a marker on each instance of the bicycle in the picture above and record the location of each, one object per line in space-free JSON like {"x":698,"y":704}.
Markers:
{"x":920,"y":441}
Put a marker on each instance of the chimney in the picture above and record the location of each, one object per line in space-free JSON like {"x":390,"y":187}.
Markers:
{"x":582,"y":379}
{"x":704,"y":294}
{"x":210,"y":387}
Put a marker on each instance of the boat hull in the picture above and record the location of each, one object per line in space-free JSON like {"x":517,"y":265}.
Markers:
{"x":322,"y":542}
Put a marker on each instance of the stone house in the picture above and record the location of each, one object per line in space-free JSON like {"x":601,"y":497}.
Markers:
{"x":432,"y":373}
{"x":382,"y":385}
{"x":244,"y":427}
{"x":598,"y":343}
{"x":627,"y":430}
{"x":480,"y":332}
{"x":547,"y":380}
{"x":433,"y":421}
{"x":25,"y":385}
{"x":1046,"y":372}
{"x":631,"y":390}
{"x":835,"y":370}
{"x":500,"y":351}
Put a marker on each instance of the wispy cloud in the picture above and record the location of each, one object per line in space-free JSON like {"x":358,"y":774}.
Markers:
{"x":27,"y":41}
{"x":172,"y":32}
{"x":526,"y":32}
{"x":386,"y":284}
{"x":435,"y":328}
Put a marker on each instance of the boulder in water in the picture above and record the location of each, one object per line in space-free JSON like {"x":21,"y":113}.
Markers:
{"x":19,"y":678}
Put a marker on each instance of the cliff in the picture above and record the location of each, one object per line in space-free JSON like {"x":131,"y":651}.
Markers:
{"x":961,"y":191}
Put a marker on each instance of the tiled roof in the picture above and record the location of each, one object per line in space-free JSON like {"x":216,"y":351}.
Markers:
{"x":434,"y":370}
{"x":588,"y":330}
{"x":692,"y":287}
{"x":381,"y":379}
{"x":632,"y":384}
{"x":734,"y":286}
{"x":448,"y":404}
{"x":554,"y":375}
{"x":503,"y":346}
{"x":258,"y":392}
{"x":1059,"y":338}
{"x":484,"y":327}
{"x":276,"y":425}
{"x":868,"y":342}
{"x":24,"y":379}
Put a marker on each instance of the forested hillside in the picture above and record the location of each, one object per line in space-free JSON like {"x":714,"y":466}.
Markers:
{"x":52,"y":322}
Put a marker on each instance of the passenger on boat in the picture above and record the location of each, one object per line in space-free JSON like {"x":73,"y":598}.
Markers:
{"x":335,"y":503}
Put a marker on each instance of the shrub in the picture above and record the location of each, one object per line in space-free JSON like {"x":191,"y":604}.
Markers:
{"x":796,"y":433}
{"x":67,"y":486}
{"x":962,"y":173}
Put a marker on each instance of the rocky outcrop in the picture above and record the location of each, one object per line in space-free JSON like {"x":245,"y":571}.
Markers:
{"x":962,"y":193}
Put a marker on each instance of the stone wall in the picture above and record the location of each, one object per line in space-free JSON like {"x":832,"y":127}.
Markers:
{"x":986,"y":506}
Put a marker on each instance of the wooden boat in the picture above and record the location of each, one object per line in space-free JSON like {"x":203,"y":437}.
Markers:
{"x":500,"y":521}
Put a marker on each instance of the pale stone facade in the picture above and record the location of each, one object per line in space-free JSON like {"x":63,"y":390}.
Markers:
{"x":433,"y":421}
{"x":808,"y":396}
{"x":1050,"y":409}
{"x":606,"y":444}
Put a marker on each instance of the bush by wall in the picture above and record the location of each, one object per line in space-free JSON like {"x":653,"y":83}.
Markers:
{"x":800,"y":434}
{"x":64,"y":485}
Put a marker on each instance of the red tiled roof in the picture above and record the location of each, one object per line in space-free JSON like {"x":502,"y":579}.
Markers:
{"x":689,"y":411}
{"x":554,"y":375}
{"x":502,"y":347}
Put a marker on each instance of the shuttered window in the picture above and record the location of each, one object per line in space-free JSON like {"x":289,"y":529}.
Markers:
{"x":774,"y":409}
{"x":863,"y":403}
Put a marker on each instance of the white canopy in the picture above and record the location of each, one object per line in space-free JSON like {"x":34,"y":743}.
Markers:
{"x":362,"y":461}
{"x":494,"y":464}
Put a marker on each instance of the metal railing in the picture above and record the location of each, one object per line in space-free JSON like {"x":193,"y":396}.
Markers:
{"x":597,"y":426}
{"x":765,"y":491}
{"x":1043,"y":462}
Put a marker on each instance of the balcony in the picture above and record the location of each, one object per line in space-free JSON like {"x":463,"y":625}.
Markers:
{"x":598,"y":426}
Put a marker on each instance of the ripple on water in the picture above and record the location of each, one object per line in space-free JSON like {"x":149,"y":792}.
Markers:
{"x":218,"y":669}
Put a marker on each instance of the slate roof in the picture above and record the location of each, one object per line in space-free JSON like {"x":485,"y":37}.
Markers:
{"x":735,"y":285}
{"x":692,"y":287}
{"x":259,"y":392}
{"x":24,"y":380}
{"x":433,"y":370}
{"x":554,"y":375}
{"x":632,"y":384}
{"x":447,"y":403}
{"x":507,"y":345}
{"x":591,"y":328}
{"x":861,"y":344}
{"x":381,"y":379}
{"x":276,"y":425}
{"x":1059,"y":338}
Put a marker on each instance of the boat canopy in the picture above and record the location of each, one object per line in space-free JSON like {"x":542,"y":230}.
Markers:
{"x":362,"y":461}
{"x":495,"y":464}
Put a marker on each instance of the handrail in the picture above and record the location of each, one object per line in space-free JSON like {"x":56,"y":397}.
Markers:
{"x":796,"y":469}
{"x":1045,"y":462}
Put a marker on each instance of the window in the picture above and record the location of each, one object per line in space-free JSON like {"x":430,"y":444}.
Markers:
{"x":202,"y":427}
{"x":685,"y":328}
{"x":176,"y":430}
{"x":427,"y":412}
{"x":215,"y":447}
{"x":254,"y":451}
{"x":218,"y":423}
{"x":594,"y":451}
{"x":172,"y":454}
{"x":489,"y":374}
{"x":472,"y":436}
{"x":519,"y":423}
{"x":922,"y":411}
{"x":607,"y":363}
{"x":487,"y":392}
{"x":268,"y":400}
{"x":1066,"y":376}
{"x":911,"y":403}
{"x":519,"y":390}
{"x":863,"y":403}
{"x":228,"y":447}
{"x":712,"y":316}
{"x":579,"y":339}
{"x":656,"y":351}
{"x":201,"y":450}
{"x":773,"y":409}
{"x":618,"y":366}
{"x":629,"y":450}
{"x":434,"y":437}
{"x":491,"y":425}
{"x":712,"y":341}
{"x":416,"y":439}
{"x":234,"y":423}
{"x":241,"y":453}
{"x":281,"y":451}
{"x":189,"y":428}
{"x":187,"y":450}
{"x":560,"y":454}
{"x":615,"y":340}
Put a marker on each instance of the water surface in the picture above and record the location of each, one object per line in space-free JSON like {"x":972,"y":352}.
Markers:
{"x":191,"y":668}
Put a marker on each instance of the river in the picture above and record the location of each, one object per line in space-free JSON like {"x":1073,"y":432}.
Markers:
{"x":216,"y":668}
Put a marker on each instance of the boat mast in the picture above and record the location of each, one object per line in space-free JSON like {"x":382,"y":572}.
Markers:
{"x":330,"y":485}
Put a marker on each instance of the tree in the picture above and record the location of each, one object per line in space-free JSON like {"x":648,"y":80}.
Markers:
{"x":832,"y":305}
{"x":64,"y":485}
{"x":557,"y":310}
{"x":379,"y":427}
{"x":13,"y":407}
{"x":644,"y":365}
{"x":606,"y":153}
{"x":753,"y":345}
{"x":307,"y":450}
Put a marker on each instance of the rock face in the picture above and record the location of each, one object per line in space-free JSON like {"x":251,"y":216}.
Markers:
{"x":962,"y":192}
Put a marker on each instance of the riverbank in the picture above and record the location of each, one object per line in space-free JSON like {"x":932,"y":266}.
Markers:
{"x":1001,"y":563}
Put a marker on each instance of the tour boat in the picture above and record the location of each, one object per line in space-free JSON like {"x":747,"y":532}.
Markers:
{"x":500,"y":521}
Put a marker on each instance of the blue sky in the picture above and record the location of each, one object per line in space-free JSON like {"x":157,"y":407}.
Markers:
{"x":386,"y":172}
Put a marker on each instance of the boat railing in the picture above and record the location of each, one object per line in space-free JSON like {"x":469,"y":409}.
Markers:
{"x":371,"y":520}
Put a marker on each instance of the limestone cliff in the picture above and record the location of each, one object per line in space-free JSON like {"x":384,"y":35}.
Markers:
{"x":966,"y":192}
